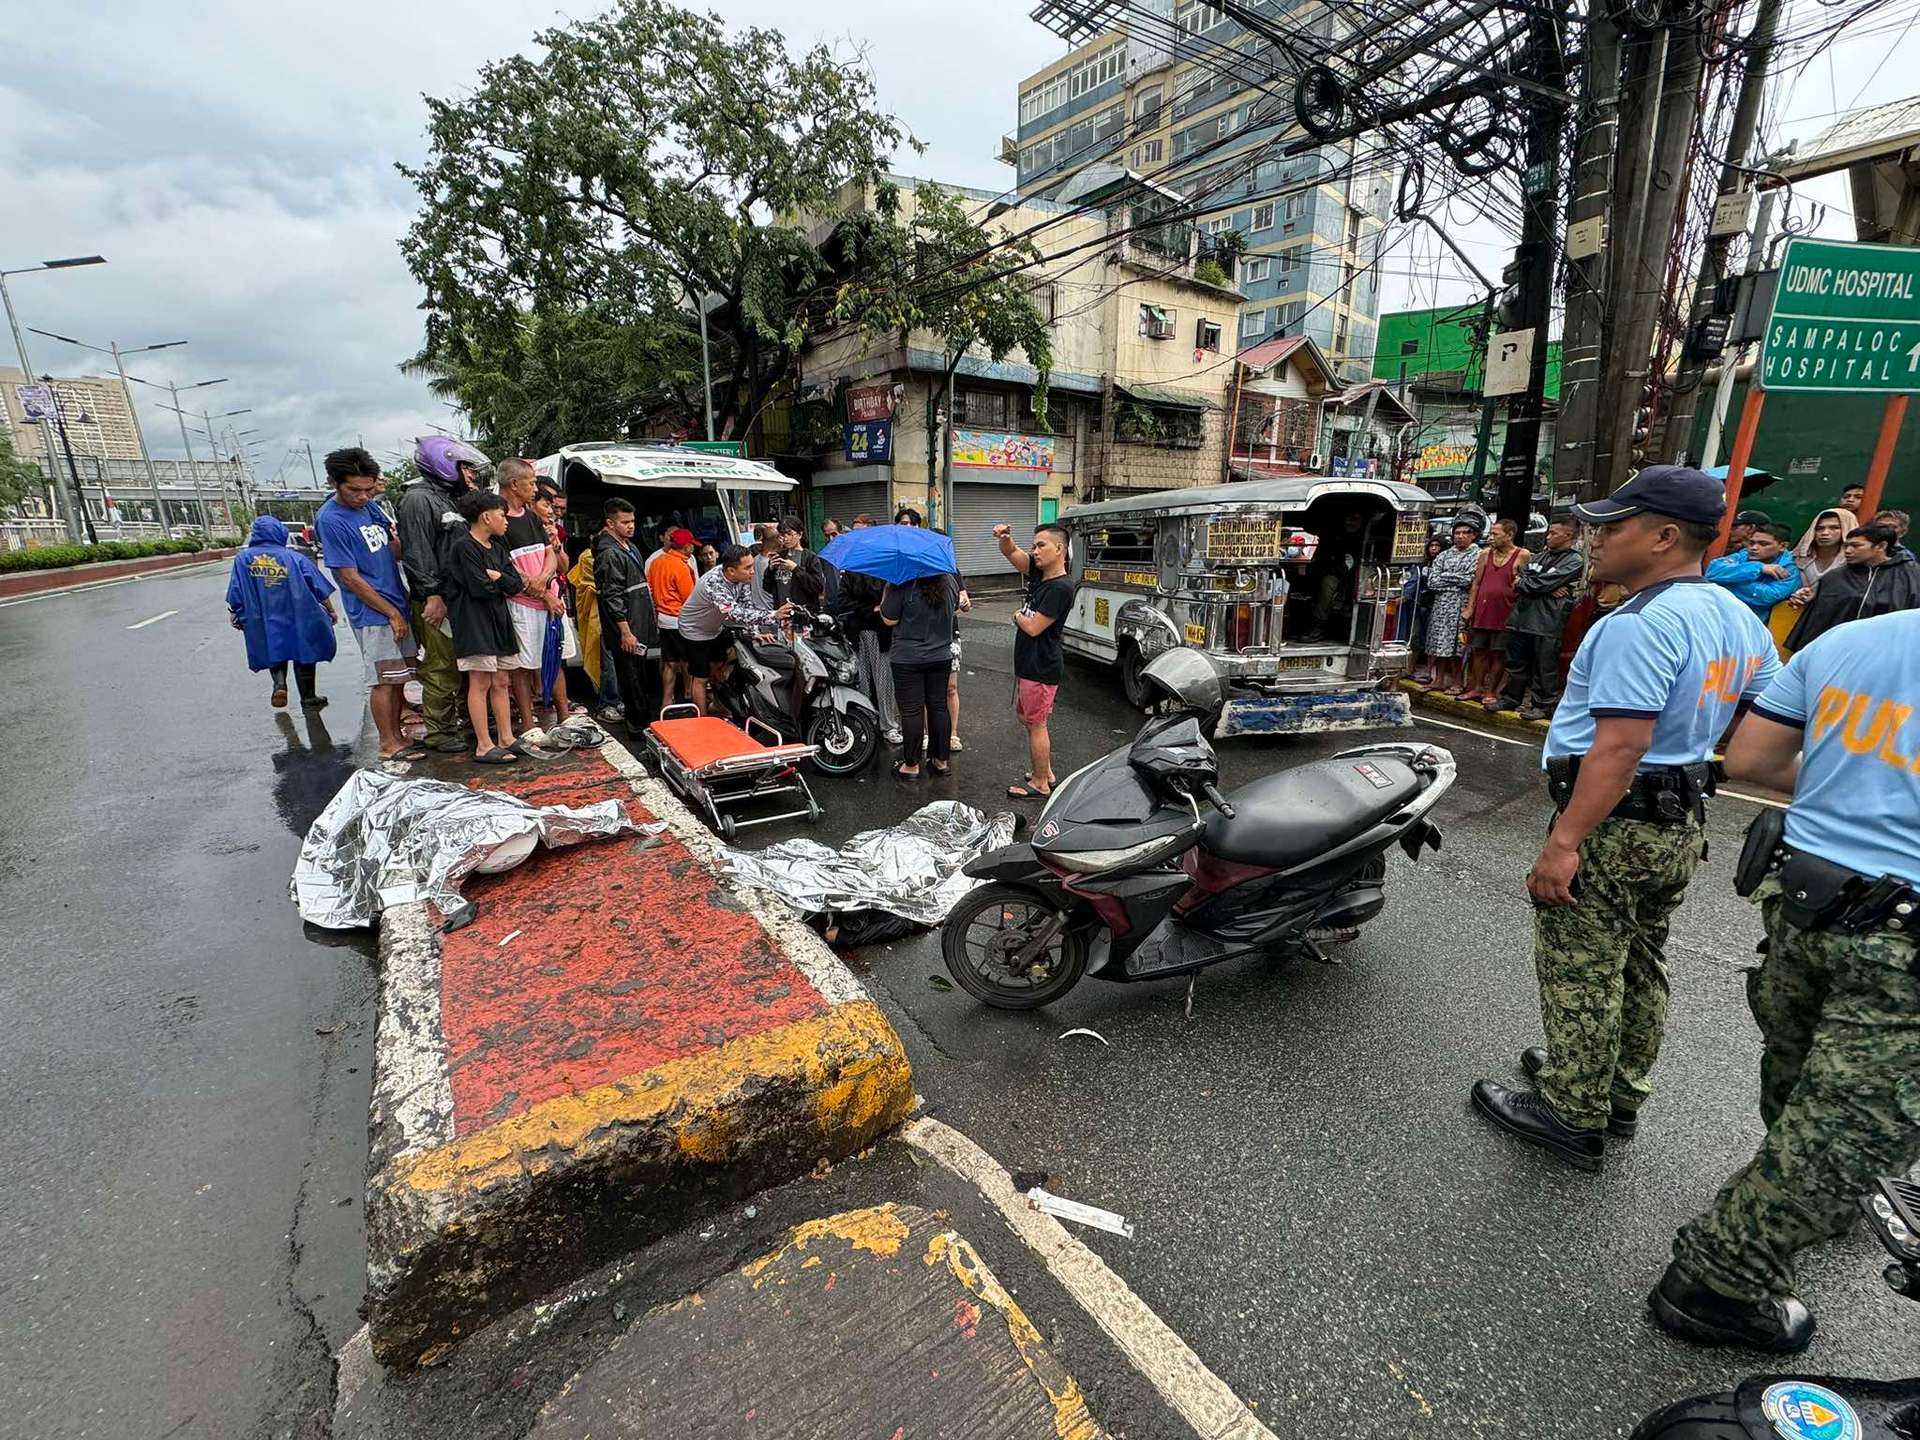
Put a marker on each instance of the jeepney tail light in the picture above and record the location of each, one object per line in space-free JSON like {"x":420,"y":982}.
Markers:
{"x":1393,"y":616}
{"x":1242,"y":627}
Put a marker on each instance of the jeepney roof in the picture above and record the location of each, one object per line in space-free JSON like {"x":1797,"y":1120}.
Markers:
{"x":1288,"y":491}
{"x":664,"y":467}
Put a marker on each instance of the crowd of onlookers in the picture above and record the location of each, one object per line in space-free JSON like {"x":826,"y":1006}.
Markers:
{"x":465,"y":596}
{"x":1494,"y":622}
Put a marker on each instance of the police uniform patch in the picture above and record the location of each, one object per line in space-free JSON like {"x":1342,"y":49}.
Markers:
{"x":1801,"y":1410}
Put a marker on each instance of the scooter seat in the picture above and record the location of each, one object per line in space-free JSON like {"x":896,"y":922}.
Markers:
{"x":1282,"y":819}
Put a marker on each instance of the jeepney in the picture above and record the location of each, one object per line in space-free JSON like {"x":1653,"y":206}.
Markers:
{"x":1290,"y":585}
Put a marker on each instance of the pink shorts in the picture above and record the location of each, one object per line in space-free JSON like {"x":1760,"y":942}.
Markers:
{"x":1032,"y":701}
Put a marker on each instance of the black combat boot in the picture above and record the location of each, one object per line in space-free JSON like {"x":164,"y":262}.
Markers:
{"x":1620,"y":1122}
{"x":1693,"y":1311}
{"x":1524,"y":1115}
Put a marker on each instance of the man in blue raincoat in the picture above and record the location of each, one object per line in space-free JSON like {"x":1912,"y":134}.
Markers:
{"x":284,"y":606}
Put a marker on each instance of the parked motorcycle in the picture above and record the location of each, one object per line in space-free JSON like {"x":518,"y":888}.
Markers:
{"x":1823,"y":1407}
{"x":1126,"y":879}
{"x":808,"y":689}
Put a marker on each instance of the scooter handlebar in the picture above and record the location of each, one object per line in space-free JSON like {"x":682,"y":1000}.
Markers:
{"x":1216,"y":799}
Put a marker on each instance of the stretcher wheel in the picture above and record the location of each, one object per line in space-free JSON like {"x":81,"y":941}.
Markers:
{"x":814,"y":812}
{"x":727,"y":827}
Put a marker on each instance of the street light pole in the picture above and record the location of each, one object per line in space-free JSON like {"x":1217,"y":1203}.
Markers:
{"x":112,"y":348}
{"x":66,"y":444}
{"x":26,"y":375}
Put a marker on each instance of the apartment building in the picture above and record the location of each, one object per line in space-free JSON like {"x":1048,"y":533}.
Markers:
{"x":1182,"y":95}
{"x":1137,"y":395}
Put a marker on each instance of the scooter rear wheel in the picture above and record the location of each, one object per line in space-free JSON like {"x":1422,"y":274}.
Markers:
{"x":984,"y":932}
{"x":1704,"y":1417}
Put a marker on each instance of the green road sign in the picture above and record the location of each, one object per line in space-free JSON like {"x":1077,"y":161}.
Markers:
{"x":1845,"y":317}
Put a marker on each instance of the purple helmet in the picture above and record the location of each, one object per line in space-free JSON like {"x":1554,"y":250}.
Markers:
{"x":441,"y":457}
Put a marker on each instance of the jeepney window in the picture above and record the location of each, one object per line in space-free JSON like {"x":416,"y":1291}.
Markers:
{"x":1120,"y":546}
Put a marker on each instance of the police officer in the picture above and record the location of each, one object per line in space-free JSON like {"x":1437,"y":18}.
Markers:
{"x":1836,"y":998}
{"x":1653,"y":687}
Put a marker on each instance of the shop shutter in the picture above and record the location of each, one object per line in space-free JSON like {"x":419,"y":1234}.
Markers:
{"x":843,"y":502}
{"x":977,"y":508}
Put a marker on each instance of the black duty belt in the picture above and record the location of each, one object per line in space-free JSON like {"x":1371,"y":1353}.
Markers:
{"x":1665,"y":795}
{"x":1818,"y":894}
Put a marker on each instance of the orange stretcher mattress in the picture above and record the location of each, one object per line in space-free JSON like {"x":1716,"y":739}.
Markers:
{"x":707,"y":740}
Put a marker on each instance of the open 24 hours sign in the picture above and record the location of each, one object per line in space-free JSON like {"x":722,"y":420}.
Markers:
{"x":1845,"y":317}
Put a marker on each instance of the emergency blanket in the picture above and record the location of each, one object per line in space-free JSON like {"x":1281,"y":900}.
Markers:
{"x":911,"y":870}
{"x":385,"y":840}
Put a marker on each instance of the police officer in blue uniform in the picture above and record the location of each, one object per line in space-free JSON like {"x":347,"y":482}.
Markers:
{"x":1838,"y":882}
{"x":1653,"y":687}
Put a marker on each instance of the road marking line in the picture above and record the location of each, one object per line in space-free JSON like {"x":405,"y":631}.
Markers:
{"x":152,"y":620}
{"x":1752,"y":799}
{"x":1470,"y":730}
{"x":1200,"y":1397}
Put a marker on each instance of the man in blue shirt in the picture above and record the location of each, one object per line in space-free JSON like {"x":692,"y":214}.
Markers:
{"x":1836,"y":998}
{"x":363,"y":551}
{"x":1763,"y":574}
{"x":1652,"y":688}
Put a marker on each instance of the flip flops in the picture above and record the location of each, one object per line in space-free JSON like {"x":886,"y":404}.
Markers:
{"x":409,"y":752}
{"x":1027,"y":792}
{"x":499,"y":755}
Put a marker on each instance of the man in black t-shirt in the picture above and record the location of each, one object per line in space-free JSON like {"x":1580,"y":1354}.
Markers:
{"x":1037,"y":660}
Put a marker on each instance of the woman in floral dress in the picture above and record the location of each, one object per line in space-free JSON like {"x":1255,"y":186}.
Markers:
{"x":1449,"y":577}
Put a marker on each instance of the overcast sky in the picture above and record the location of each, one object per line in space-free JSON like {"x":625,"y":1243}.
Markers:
{"x":234,"y":162}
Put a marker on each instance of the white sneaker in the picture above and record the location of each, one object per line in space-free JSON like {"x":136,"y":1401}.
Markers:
{"x":954,"y":744}
{"x":894,"y":737}
{"x":535,"y":736}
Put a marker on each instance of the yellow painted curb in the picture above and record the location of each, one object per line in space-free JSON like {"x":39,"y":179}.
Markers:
{"x":849,"y":1058}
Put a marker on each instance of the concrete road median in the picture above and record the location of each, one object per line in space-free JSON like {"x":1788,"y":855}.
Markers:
{"x":618,"y":1043}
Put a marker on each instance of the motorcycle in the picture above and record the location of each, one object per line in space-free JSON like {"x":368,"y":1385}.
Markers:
{"x":1125,"y":879}
{"x":1823,"y":1407}
{"x":808,"y":689}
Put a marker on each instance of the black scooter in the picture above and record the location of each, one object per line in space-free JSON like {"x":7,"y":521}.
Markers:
{"x":807,"y":689}
{"x":1125,"y":879}
{"x":1818,"y":1407}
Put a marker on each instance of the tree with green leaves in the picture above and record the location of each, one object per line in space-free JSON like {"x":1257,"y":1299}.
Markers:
{"x":577,"y":203}
{"x":18,"y":478}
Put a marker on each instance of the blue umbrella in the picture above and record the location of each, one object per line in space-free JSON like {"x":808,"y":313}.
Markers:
{"x":895,"y":553}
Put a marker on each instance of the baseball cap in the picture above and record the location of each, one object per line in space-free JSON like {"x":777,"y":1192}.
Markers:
{"x":1676,"y":491}
{"x":681,"y":537}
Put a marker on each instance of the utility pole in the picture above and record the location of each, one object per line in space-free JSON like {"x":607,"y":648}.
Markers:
{"x":66,"y":444}
{"x":1644,"y":53}
{"x":1588,"y":220}
{"x":314,"y":470}
{"x":1546,"y":65}
{"x":1676,"y":427}
{"x":1730,"y":359}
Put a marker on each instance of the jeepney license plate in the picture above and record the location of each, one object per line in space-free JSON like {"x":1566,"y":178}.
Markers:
{"x":1196,"y":634}
{"x":1301,"y":662}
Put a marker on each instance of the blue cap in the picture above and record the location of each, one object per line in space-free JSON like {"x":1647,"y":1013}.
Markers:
{"x":1676,"y":491}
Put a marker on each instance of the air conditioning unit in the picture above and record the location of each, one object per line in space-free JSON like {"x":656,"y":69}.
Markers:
{"x":1317,"y":463}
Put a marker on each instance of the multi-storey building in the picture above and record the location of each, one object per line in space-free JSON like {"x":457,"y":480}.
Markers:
{"x":99,"y":419}
{"x":1183,"y":96}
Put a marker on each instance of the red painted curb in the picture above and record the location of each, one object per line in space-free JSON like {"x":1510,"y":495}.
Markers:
{"x":71,"y":577}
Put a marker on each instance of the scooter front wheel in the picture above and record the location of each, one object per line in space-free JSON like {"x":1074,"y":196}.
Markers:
{"x":981,"y":943}
{"x":844,"y":744}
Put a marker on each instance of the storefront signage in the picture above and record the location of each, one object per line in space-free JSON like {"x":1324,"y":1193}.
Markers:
{"x":870,"y":442}
{"x":1845,"y":317}
{"x":1442,"y":457}
{"x":870,"y":402}
{"x":997,"y":450}
{"x":1355,"y":467}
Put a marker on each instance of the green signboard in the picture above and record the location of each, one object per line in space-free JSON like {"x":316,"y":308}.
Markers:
{"x":1845,"y":317}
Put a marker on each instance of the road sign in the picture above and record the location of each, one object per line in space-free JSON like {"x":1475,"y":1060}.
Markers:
{"x":1846,"y":317}
{"x":1509,"y":363}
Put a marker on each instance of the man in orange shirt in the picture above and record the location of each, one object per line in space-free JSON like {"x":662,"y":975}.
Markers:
{"x":670,"y":577}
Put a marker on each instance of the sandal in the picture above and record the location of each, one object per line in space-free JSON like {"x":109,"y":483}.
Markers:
{"x":497,"y":756}
{"x":901,"y":772}
{"x":1028,"y":792}
{"x":937,"y":768}
{"x":409,"y":752}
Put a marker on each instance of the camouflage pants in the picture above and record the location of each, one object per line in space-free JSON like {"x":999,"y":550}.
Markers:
{"x":1603,"y":976}
{"x":1839,"y":1090}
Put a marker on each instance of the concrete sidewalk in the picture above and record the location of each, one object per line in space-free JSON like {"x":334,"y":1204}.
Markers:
{"x":617,"y":1044}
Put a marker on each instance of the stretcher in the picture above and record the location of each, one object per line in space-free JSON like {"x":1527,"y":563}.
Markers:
{"x":718,"y":767}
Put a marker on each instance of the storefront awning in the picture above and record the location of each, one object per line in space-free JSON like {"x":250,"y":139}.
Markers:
{"x":1167,"y":395}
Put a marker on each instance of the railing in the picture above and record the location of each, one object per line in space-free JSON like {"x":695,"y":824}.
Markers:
{"x":24,"y":534}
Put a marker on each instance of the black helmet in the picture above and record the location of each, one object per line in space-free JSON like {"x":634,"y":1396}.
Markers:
{"x":1187,"y":680}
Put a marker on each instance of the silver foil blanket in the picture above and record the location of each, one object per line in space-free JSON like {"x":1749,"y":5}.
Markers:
{"x":386,"y":840}
{"x":911,"y":869}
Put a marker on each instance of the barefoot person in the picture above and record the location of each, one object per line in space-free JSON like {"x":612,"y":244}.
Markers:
{"x":1038,"y":660}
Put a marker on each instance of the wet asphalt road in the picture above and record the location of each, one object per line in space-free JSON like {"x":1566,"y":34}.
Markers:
{"x":1318,"y":1213}
{"x":174,"y":1259}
